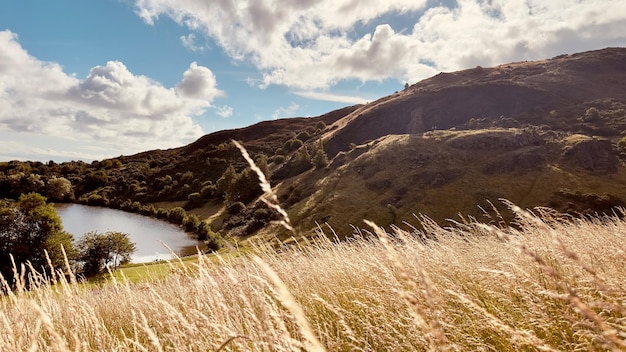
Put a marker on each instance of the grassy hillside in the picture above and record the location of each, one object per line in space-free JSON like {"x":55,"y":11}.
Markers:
{"x":446,"y":173}
{"x":555,"y":284}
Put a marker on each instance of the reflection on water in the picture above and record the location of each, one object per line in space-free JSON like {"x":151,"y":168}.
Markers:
{"x":146,"y":232}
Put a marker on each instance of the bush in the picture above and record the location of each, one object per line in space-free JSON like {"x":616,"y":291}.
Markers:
{"x":208,"y":191}
{"x":591,"y":115}
{"x":148,"y":210}
{"x":97,"y":200}
{"x":292,"y":145}
{"x":235,"y":208}
{"x":303,"y":136}
{"x":177,"y":215}
{"x":162,"y":213}
{"x":278,"y":159}
{"x":191,"y":222}
{"x":320,"y":159}
{"x":622,"y":143}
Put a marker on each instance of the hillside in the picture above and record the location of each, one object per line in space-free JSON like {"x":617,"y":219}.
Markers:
{"x":551,"y":93}
{"x":544,"y":133}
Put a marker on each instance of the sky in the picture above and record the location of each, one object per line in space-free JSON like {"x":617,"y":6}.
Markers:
{"x":89,"y":80}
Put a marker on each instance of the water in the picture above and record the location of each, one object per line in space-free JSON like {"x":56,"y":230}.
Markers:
{"x":144,"y":231}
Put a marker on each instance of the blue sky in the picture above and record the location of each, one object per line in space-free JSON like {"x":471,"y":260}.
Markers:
{"x":101,"y":78}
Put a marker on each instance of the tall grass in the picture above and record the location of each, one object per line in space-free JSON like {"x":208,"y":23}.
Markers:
{"x":550,"y":283}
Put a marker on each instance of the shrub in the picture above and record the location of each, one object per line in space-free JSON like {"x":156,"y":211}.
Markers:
{"x":591,"y":115}
{"x":320,"y":159}
{"x":235,"y":208}
{"x":208,"y":190}
{"x":97,"y":200}
{"x":162,"y":213}
{"x":622,"y":143}
{"x":278,"y":159}
{"x":303,"y":136}
{"x":187,"y":177}
{"x":148,"y":210}
{"x":193,"y":197}
{"x":177,"y":215}
{"x":292,"y":145}
{"x":191,"y":222}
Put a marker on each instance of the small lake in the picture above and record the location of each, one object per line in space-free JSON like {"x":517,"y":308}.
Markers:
{"x":145,"y":232}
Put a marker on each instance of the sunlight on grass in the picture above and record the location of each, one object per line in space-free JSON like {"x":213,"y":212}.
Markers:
{"x":550,"y":283}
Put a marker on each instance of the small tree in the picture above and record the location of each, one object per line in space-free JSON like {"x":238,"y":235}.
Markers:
{"x":320,"y":159}
{"x":59,"y":188}
{"x":227,"y":180}
{"x":110,"y":249}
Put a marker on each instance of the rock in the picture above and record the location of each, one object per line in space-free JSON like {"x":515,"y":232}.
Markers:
{"x":496,"y":139}
{"x":518,"y":161}
{"x":591,"y":153}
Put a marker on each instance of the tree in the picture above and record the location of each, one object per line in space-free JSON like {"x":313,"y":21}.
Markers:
{"x":59,"y":188}
{"x":100,"y":250}
{"x":320,"y":159}
{"x":245,"y":188}
{"x":29,"y":228}
{"x":227,"y":180}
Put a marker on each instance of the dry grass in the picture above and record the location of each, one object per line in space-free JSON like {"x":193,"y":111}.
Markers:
{"x":555,"y":284}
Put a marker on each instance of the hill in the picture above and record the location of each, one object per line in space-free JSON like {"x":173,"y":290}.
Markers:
{"x":543,"y":133}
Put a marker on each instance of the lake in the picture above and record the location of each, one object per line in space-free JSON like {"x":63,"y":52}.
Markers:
{"x":145,"y":232}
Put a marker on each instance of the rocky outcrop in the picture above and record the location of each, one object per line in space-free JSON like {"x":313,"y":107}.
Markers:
{"x":528,"y":159}
{"x":591,"y":153}
{"x":504,"y":139}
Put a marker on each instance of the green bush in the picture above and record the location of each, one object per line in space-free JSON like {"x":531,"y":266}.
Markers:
{"x":292,"y":145}
{"x":191,"y":222}
{"x":208,"y":191}
{"x":97,"y":200}
{"x":177,"y":215}
{"x":162,"y":213}
{"x":320,"y":159}
{"x":303,"y":136}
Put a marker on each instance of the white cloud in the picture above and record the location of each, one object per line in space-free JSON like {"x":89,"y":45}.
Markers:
{"x":313,"y":44}
{"x":224,"y":111}
{"x":331,"y":97}
{"x":198,"y":83}
{"x":111,"y":105}
{"x":189,"y":42}
{"x":285,"y":111}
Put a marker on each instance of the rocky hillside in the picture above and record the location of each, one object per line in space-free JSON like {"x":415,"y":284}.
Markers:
{"x":554,"y":94}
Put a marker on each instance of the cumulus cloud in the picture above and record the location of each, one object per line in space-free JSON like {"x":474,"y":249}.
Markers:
{"x":312,"y":44}
{"x":198,"y":83}
{"x":130,"y":112}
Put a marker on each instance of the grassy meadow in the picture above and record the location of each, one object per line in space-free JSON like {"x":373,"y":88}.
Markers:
{"x":549,"y":283}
